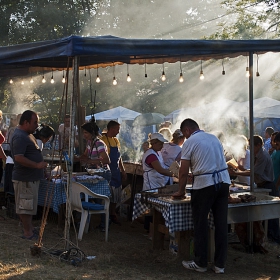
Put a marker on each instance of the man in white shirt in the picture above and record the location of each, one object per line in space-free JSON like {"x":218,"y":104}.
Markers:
{"x":203,"y":154}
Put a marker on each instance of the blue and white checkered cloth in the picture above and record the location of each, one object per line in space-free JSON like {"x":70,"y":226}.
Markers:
{"x":177,"y":216}
{"x":59,"y":194}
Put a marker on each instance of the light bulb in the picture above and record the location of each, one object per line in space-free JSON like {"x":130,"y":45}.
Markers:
{"x":181,"y":79}
{"x":163,"y":78}
{"x":52,"y":80}
{"x":257,"y":74}
{"x":247,"y":72}
{"x":115,"y":81}
{"x":43,"y":80}
{"x":128,"y":78}
{"x":63,"y":80}
{"x":11,"y":81}
{"x":201,"y":77}
{"x":97,"y":79}
{"x":31,"y":81}
{"x":22,"y":82}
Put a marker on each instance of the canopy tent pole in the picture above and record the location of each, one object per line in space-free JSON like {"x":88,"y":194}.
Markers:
{"x":252,"y":156}
{"x":73,"y":109}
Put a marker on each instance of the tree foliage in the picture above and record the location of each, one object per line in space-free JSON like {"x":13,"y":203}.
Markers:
{"x":249,"y":19}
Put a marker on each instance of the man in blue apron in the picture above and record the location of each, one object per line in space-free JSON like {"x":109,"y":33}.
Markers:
{"x":203,"y":153}
{"x":116,"y":166}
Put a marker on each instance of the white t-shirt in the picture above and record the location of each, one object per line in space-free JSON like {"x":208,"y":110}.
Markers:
{"x":206,"y":156}
{"x":245,"y":162}
{"x":170,"y":152}
{"x":64,"y":139}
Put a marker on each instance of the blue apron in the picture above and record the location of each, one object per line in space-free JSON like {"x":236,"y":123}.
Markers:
{"x":116,"y":179}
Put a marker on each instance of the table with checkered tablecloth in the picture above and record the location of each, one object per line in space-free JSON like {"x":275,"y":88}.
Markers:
{"x":177,"y":216}
{"x":56,"y":191}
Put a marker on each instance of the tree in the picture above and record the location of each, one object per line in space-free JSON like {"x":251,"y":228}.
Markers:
{"x":249,"y":19}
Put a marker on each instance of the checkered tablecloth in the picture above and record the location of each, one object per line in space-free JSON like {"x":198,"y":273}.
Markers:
{"x":177,"y":216}
{"x":59,"y":194}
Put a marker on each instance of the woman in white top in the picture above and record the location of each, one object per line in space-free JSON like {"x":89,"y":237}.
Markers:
{"x":242,"y":156}
{"x":171,"y":151}
{"x":155,"y":175}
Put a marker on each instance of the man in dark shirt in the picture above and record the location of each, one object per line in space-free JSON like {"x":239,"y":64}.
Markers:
{"x":28,"y":170}
{"x":264,"y":178}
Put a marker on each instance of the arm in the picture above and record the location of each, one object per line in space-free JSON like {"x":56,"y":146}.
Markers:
{"x":183,"y":177}
{"x":2,"y":154}
{"x":121,"y":166}
{"x":29,"y":163}
{"x":157,"y":166}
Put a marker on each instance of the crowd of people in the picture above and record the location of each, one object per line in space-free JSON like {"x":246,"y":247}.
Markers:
{"x":204,"y":157}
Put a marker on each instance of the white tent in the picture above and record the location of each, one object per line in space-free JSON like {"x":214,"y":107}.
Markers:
{"x":119,"y":113}
{"x":268,"y":112}
{"x":261,"y":103}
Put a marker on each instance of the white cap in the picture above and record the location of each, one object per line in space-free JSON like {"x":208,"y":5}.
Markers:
{"x":158,"y":136}
{"x":179,"y":132}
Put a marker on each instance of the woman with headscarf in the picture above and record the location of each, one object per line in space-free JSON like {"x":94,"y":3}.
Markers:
{"x":171,"y":151}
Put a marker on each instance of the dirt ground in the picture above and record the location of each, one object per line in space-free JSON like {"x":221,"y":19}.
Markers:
{"x":127,"y":255}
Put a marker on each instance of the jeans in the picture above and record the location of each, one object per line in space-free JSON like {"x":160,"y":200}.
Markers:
{"x":202,"y":201}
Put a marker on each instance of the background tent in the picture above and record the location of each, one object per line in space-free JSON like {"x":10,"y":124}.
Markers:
{"x":119,"y":114}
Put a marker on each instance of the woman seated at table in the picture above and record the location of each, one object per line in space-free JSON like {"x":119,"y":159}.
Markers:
{"x":171,"y":151}
{"x":95,"y":154}
{"x":155,"y":174}
{"x":43,"y":134}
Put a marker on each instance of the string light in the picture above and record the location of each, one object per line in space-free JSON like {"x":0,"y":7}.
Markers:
{"x":223,"y":72}
{"x":114,"y":79}
{"x":257,"y":73}
{"x":247,"y":70}
{"x":146,"y":71}
{"x":163,"y":78}
{"x":63,"y":78}
{"x":181,"y":79}
{"x":128,"y":78}
{"x":52,"y":80}
{"x":201,"y":77}
{"x":22,"y":82}
{"x":11,"y":81}
{"x":31,"y":80}
{"x":43,"y":78}
{"x":97,"y":76}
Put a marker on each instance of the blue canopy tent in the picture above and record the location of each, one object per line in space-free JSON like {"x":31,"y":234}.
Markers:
{"x":79,"y":52}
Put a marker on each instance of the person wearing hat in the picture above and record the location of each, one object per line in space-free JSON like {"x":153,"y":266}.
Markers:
{"x":171,"y":151}
{"x":155,"y":174}
{"x":95,"y":154}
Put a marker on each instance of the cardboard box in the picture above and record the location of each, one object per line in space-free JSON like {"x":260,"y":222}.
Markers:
{"x":126,"y":194}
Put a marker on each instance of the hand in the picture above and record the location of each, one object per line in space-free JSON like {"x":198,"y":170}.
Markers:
{"x":42,"y":165}
{"x":178,"y":194}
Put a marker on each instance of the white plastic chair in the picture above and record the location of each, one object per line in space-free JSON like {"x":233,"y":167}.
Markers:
{"x":77,"y":205}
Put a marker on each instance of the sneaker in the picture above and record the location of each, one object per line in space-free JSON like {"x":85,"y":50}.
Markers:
{"x":218,"y":270}
{"x":193,"y":266}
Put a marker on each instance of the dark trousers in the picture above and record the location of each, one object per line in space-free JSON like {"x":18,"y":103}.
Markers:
{"x":201,"y":202}
{"x":273,"y":225}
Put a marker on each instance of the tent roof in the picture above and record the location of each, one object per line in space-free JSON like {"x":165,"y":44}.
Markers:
{"x":119,"y":113}
{"x":102,"y":51}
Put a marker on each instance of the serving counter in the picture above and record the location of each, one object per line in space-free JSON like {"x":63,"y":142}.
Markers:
{"x":176,"y":216}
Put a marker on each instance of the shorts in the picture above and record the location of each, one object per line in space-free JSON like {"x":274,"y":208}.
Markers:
{"x":26,"y":197}
{"x":116,"y":194}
